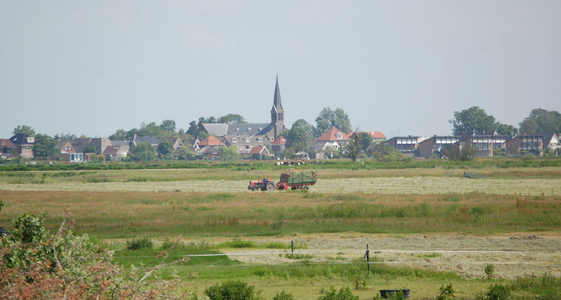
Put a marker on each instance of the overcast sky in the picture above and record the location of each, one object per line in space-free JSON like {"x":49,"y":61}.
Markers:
{"x":92,"y":67}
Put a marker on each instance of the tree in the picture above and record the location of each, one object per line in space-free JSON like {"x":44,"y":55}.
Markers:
{"x":65,"y":137}
{"x":89,"y":149}
{"x":193,"y":128}
{"x":504,"y":129}
{"x":232,"y":119}
{"x":455,"y":153}
{"x":184,"y":153}
{"x":168,"y":125}
{"x":143,"y":151}
{"x":365,"y":140}
{"x":119,"y":135}
{"x":300,"y":136}
{"x":230,"y":153}
{"x":165,"y":148}
{"x":24,"y":129}
{"x":44,"y":147}
{"x":546,"y":121}
{"x":328,"y":119}
{"x":528,"y":126}
{"x":354,"y":146}
{"x":472,"y":120}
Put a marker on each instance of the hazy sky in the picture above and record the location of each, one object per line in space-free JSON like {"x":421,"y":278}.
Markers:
{"x":92,"y":67}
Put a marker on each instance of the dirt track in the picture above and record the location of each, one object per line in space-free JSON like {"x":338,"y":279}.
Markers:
{"x":512,"y":256}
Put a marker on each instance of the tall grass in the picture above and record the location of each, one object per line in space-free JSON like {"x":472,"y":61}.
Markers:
{"x":124,"y":214}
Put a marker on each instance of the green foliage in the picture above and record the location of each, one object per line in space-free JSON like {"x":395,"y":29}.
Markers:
{"x":489,"y":270}
{"x":446,"y":293}
{"x":546,"y":121}
{"x":184,"y":153}
{"x":89,"y":149}
{"x":230,"y":153}
{"x":119,"y":135}
{"x":168,"y":125}
{"x":139,"y":244}
{"x":528,"y":126}
{"x":44,"y":147}
{"x":328,"y":119}
{"x":454,"y":153}
{"x":24,"y":129}
{"x":165,"y":148}
{"x":283,"y":296}
{"x":232,"y":290}
{"x":343,"y":294}
{"x":545,"y":287}
{"x":300,"y":136}
{"x":475,"y":120}
{"x":143,"y":151}
{"x":232,"y":119}
{"x":495,"y":292}
{"x":353,"y":147}
{"x":365,"y":140}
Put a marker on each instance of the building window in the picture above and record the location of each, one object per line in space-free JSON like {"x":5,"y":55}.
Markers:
{"x":234,"y":140}
{"x":339,"y":135}
{"x":260,"y":140}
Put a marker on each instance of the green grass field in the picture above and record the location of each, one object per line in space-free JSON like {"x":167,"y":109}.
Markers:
{"x":212,"y":212}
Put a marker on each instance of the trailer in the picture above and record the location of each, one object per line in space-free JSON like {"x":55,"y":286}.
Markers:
{"x":295,"y":179}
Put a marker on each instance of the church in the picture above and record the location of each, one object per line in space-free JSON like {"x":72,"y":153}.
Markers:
{"x":249,"y":135}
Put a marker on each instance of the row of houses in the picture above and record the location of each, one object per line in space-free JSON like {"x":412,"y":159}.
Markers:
{"x":484,"y":145}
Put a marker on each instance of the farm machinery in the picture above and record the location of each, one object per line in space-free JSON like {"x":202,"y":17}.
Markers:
{"x":292,"y":179}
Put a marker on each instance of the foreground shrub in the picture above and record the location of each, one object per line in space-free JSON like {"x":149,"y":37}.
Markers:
{"x":138,"y":244}
{"x":37,"y":265}
{"x":232,"y":290}
{"x":331,"y":294}
{"x":283,"y":296}
{"x":495,"y":292}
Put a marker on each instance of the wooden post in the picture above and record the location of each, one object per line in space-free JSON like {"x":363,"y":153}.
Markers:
{"x":292,"y":243}
{"x":368,"y":257}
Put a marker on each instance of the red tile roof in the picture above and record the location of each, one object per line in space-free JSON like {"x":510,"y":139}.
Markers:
{"x":6,"y":143}
{"x":331,"y":135}
{"x":211,"y":141}
{"x":256,"y":150}
{"x":111,"y":149}
{"x":280,"y":141}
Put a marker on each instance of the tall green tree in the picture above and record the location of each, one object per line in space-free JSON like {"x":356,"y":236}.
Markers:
{"x":354,"y":146}
{"x":143,"y":151}
{"x":165,"y":148}
{"x":230,"y":153}
{"x":232,"y":119}
{"x":184,"y":153}
{"x":546,"y":121}
{"x":329,"y":118}
{"x":472,"y":120}
{"x":24,"y":129}
{"x":504,"y":129}
{"x":300,"y":136}
{"x":365,"y":140}
{"x":119,"y":135}
{"x":168,"y":125}
{"x":528,"y":126}
{"x":44,"y":147}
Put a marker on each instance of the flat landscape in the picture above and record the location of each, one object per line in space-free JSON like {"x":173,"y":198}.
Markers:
{"x":424,"y":227}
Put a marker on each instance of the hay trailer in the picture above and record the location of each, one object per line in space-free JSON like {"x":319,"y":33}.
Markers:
{"x":295,"y":179}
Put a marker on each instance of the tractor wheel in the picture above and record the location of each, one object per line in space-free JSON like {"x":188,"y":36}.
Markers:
{"x":306,"y":187}
{"x":256,"y":187}
{"x":270,"y":186}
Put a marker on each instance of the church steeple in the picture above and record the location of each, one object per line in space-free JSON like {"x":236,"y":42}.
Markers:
{"x":277,"y":112}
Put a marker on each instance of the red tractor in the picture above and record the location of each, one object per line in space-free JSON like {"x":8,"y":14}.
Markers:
{"x":264,"y":185}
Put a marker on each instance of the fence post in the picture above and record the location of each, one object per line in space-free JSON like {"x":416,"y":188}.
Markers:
{"x":368,"y":258}
{"x":292,"y":243}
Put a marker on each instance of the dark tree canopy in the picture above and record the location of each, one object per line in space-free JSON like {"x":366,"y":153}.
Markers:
{"x":24,"y":129}
{"x":543,"y":120}
{"x":528,"y":126}
{"x":165,"y":148}
{"x":472,"y":120}
{"x":119,"y":135}
{"x":328,"y":119}
{"x":168,"y":125}
{"x":44,"y":147}
{"x":300,"y":136}
{"x":232,"y":119}
{"x":354,"y":146}
{"x":143,"y":151}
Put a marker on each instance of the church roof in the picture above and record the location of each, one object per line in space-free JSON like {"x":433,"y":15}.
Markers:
{"x":277,"y":101}
{"x":249,"y":129}
{"x":216,"y":129}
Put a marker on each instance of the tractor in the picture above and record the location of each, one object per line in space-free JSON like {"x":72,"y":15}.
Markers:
{"x":265,"y":185}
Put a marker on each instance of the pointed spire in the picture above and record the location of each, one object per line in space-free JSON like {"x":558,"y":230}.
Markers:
{"x":277,"y":101}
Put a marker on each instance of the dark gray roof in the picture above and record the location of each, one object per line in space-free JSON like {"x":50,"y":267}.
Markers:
{"x":150,"y":139}
{"x":249,"y":129}
{"x":216,"y":129}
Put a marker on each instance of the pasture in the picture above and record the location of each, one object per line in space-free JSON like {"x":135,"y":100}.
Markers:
{"x":426,"y":227}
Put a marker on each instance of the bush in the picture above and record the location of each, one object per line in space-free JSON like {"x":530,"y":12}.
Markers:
{"x":495,"y":292}
{"x":489,"y":270}
{"x":137,"y":244}
{"x":331,"y":294}
{"x":446,"y":293}
{"x":232,"y":290}
{"x":283,"y":296}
